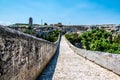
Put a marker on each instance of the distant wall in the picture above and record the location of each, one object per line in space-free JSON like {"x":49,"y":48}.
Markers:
{"x":106,"y":60}
{"x":22,"y":56}
{"x":71,"y":29}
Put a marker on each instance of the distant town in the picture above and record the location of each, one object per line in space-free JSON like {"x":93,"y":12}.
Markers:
{"x":22,"y":26}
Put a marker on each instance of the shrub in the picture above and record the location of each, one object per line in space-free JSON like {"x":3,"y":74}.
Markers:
{"x":29,"y":31}
{"x":68,"y":36}
{"x":50,"y":36}
{"x":96,"y":40}
{"x":117,"y":38}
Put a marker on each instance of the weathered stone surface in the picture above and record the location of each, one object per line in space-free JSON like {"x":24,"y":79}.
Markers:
{"x":107,"y":60}
{"x":22,"y":56}
{"x":66,"y":65}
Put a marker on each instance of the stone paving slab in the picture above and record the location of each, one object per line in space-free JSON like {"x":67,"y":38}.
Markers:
{"x":70,"y":66}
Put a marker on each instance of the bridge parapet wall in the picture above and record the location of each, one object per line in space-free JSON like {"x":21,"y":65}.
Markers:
{"x":22,"y":56}
{"x":107,"y":60}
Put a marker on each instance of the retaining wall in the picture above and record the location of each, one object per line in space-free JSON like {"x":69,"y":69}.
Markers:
{"x":106,"y":60}
{"x":22,"y":56}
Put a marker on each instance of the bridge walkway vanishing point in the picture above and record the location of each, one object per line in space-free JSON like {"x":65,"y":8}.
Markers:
{"x":66,"y":65}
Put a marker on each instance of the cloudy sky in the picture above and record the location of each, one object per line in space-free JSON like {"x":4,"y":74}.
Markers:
{"x":65,"y":11}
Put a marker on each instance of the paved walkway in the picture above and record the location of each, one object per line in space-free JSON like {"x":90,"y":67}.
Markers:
{"x":66,"y":65}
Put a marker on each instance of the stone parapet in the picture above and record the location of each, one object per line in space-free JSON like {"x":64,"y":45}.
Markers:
{"x":107,"y":60}
{"x":22,"y":56}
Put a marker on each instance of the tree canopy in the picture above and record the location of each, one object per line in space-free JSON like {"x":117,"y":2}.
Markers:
{"x":97,"y":40}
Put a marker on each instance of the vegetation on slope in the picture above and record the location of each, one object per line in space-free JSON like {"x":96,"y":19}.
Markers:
{"x":29,"y":31}
{"x":51,"y":36}
{"x":96,"y":40}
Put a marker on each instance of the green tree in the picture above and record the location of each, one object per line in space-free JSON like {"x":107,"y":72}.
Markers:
{"x":97,"y":40}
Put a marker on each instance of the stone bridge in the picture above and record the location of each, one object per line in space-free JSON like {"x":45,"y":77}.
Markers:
{"x":67,"y":65}
{"x":24,"y":57}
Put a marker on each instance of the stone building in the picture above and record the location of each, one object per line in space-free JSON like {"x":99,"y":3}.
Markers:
{"x":30,"y":23}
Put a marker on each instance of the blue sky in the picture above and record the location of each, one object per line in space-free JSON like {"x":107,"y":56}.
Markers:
{"x":65,"y":11}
